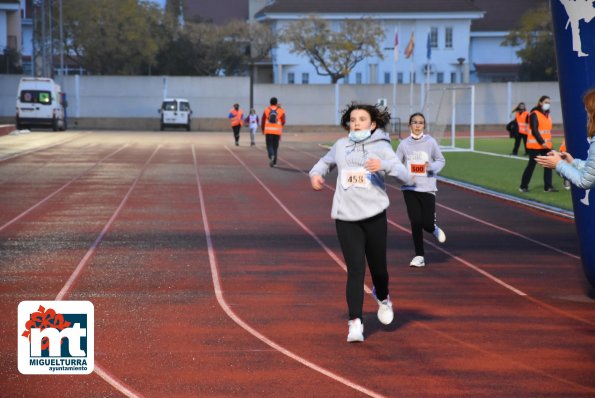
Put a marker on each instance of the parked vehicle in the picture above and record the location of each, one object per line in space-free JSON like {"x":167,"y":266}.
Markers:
{"x":40,"y":103}
{"x":175,"y":112}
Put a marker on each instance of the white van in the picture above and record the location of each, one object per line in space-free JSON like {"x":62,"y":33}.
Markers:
{"x":40,"y":102}
{"x":175,"y":112}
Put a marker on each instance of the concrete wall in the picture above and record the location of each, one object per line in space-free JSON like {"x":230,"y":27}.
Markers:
{"x":131,"y":102}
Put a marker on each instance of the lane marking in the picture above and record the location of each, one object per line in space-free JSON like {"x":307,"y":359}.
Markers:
{"x":107,"y":377}
{"x":221,"y":299}
{"x":41,"y":202}
{"x":48,"y":146}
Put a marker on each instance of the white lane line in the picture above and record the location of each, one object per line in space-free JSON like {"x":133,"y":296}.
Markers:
{"x":41,"y":148}
{"x":118,"y":385}
{"x":75,"y":274}
{"x":221,"y":299}
{"x":114,"y":382}
{"x":41,"y":202}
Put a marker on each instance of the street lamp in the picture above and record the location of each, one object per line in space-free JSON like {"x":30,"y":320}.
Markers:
{"x":461,"y":61}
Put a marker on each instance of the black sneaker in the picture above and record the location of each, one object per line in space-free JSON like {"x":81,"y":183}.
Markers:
{"x":551,"y":189}
{"x":272,"y":161}
{"x":524,"y":190}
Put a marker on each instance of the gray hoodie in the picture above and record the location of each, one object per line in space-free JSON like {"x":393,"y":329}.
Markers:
{"x":360,"y":194}
{"x":414,"y":152}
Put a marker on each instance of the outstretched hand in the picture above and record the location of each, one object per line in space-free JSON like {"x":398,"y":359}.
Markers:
{"x":373,"y":165}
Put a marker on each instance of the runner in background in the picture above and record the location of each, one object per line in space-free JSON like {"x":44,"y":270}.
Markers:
{"x":424,"y":160}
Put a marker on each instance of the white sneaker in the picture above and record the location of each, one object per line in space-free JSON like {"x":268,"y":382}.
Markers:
{"x":439,"y":234}
{"x":356,"y":331}
{"x":418,"y":261}
{"x":385,"y":308}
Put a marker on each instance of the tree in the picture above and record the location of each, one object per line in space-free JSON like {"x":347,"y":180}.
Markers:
{"x":538,"y":60}
{"x":334,"y":53}
{"x":111,"y":36}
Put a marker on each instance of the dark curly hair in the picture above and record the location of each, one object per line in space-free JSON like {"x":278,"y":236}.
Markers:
{"x":379,"y":115}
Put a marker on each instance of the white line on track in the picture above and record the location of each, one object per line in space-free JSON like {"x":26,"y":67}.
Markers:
{"x":110,"y":379}
{"x":219,"y":291}
{"x":63,"y":187}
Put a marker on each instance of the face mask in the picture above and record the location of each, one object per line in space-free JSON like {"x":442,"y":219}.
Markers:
{"x":416,"y":137}
{"x":545,"y":107}
{"x":359,"y":135}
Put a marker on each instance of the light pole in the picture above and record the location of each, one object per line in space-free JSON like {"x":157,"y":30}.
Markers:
{"x":461,"y":61}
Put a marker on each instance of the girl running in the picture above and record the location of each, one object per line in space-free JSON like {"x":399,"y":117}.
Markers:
{"x":359,"y":206}
{"x":424,"y":160}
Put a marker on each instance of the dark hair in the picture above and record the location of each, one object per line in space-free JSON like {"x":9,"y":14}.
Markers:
{"x":589,"y":101}
{"x":273,"y":101}
{"x":517,"y":108}
{"x":542,"y":98}
{"x":378,"y":115}
{"x":417,"y":114}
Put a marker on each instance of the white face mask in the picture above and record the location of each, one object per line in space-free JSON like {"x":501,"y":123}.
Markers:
{"x":545,"y":107}
{"x":359,"y":135}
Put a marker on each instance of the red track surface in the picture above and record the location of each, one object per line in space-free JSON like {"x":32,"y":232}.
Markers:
{"x":214,"y":275}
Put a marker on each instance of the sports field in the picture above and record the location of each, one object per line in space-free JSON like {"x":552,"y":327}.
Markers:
{"x":215,"y":275}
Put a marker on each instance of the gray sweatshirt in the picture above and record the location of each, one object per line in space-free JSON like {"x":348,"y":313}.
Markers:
{"x":360,"y":194}
{"x":414,"y":154}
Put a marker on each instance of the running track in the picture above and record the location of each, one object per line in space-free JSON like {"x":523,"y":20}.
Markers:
{"x":214,"y":275}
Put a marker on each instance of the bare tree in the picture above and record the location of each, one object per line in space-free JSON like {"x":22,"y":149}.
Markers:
{"x":332,"y":52}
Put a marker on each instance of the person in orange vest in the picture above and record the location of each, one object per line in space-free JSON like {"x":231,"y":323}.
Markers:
{"x":235,"y":118}
{"x":539,"y":143}
{"x":522,"y":119}
{"x":272,"y":122}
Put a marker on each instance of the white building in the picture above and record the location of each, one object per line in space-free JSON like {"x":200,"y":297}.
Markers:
{"x":465,"y":39}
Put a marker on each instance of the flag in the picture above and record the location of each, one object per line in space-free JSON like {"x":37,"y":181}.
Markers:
{"x":429,"y":48}
{"x":396,"y":46}
{"x":410,"y":46}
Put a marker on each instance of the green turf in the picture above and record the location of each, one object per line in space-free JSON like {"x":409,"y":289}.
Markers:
{"x":502,"y":174}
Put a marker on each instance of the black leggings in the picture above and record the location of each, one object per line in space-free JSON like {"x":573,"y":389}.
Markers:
{"x":272,"y":141}
{"x":421,"y":209}
{"x":517,"y":143}
{"x":236,"y":132}
{"x":361,"y":240}
{"x":528,"y":173}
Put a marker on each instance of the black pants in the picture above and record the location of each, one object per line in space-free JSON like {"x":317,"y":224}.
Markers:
{"x":421,"y":209}
{"x":236,"y":132}
{"x":528,"y":173}
{"x":517,"y":143}
{"x":272,"y":141}
{"x":361,"y":240}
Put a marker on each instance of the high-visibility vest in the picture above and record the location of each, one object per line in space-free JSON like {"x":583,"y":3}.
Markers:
{"x":545,"y":130}
{"x":563,"y":146}
{"x":273,"y":128}
{"x":236,"y":117}
{"x":522,"y":121}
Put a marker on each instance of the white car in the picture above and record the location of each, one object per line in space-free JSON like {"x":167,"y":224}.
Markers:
{"x":175,"y":112}
{"x":40,"y":102}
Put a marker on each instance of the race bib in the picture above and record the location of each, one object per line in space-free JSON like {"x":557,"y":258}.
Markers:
{"x":418,"y":169}
{"x":355,"y":177}
{"x":417,"y":163}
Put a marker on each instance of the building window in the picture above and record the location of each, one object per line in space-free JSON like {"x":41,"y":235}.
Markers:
{"x":400,"y":77}
{"x":291,"y":78}
{"x":386,"y":77}
{"x":358,"y":78}
{"x":434,"y":37}
{"x":453,"y":77}
{"x":440,"y":77}
{"x":305,"y":78}
{"x":448,"y":38}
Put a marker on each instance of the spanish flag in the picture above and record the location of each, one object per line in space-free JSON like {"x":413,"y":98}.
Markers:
{"x":410,"y":46}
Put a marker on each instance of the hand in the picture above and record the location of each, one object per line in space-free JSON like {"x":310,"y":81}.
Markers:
{"x":567,"y":157}
{"x":317,"y":182}
{"x":550,"y":160}
{"x":373,"y":165}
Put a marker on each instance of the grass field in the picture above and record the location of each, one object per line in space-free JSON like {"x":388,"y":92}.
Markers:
{"x":502,"y":173}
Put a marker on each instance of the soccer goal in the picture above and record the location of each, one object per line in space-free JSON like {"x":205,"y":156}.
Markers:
{"x":450,"y":116}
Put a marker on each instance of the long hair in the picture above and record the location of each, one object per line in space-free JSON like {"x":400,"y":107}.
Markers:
{"x":378,"y":115}
{"x":589,"y":101}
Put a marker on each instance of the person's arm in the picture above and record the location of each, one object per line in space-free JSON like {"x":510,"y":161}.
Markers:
{"x":583,"y":176}
{"x":264,"y":120}
{"x":534,"y":124}
{"x":322,"y":167}
{"x":438,"y":162}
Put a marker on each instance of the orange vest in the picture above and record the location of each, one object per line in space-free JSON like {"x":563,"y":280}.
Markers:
{"x":563,"y":146}
{"x":273,"y":128}
{"x":545,"y":130}
{"x":236,"y":117}
{"x":522,"y":121}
